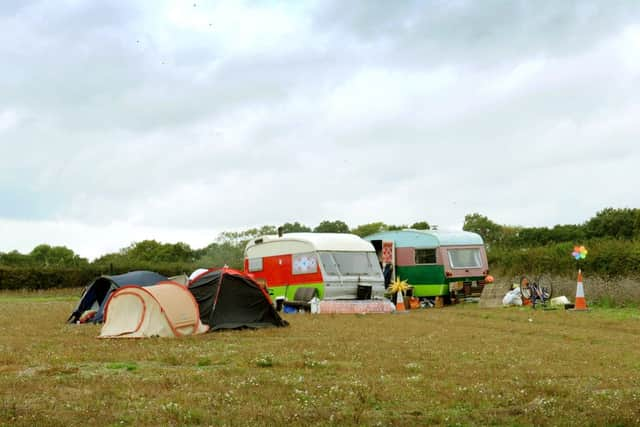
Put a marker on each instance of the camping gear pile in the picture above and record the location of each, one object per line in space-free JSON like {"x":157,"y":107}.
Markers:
{"x":145,"y":304}
{"x":513,"y":297}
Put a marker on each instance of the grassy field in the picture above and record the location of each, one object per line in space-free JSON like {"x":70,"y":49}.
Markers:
{"x":459,"y":365}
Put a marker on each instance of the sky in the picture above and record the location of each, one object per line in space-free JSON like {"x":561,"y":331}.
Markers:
{"x":127,"y":120}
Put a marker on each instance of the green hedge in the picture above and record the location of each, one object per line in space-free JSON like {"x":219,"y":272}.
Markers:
{"x":166,"y":268}
{"x":48,"y":277}
{"x":44,"y":278}
{"x":606,"y":257}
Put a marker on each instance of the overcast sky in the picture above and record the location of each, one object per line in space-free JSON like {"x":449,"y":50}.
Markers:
{"x":126,"y":120}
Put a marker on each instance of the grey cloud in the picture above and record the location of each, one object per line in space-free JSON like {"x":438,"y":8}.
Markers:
{"x":474,"y":32}
{"x":377,"y":112}
{"x":12,"y":8}
{"x":103,"y":69}
{"x":73,"y":21}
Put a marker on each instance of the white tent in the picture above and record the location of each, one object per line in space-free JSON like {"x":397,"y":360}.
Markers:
{"x":166,"y":309}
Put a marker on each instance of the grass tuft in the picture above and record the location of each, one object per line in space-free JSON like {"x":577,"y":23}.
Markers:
{"x":127,"y":366}
{"x":264,"y":360}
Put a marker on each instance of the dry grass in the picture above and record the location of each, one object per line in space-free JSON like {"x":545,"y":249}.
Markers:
{"x":454,"y":366}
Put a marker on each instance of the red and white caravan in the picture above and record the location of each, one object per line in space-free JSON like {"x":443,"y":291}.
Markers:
{"x":340,"y":266}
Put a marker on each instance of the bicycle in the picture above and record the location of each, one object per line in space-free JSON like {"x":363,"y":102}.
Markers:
{"x":538,"y":291}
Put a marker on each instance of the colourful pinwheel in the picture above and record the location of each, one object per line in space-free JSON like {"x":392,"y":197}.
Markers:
{"x":579,"y":252}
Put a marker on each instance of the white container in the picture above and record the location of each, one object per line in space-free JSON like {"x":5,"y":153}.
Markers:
{"x":315,"y":305}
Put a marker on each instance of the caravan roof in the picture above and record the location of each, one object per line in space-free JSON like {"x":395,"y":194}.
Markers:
{"x":427,"y":238}
{"x":310,"y":242}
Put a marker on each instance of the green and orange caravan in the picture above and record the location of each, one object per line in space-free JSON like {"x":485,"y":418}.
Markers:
{"x":339,"y":266}
{"x":434,"y":263}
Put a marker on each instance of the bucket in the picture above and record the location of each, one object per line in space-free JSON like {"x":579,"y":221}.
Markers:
{"x":289,"y":309}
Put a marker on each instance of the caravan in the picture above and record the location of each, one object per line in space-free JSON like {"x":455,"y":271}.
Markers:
{"x":434,"y":263}
{"x":339,"y":266}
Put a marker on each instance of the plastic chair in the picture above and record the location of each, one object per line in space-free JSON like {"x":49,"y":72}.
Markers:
{"x":301,"y":299}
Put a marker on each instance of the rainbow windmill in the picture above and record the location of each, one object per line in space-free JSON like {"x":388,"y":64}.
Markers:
{"x":579,"y":252}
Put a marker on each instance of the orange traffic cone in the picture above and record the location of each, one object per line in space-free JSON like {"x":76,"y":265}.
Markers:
{"x":581,"y":302}
{"x":399,"y":301}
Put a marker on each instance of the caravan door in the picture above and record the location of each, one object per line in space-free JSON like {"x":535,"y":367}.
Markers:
{"x":388,"y":261}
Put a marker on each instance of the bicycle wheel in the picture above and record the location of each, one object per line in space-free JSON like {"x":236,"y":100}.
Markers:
{"x":546,"y":287}
{"x":525,"y":288}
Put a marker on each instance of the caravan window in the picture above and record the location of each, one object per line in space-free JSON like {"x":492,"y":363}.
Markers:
{"x":304,"y":263}
{"x":330,"y":267}
{"x":465,"y":258}
{"x":255,"y":264}
{"x":425,"y":256}
{"x":357,"y":263}
{"x":350,"y":263}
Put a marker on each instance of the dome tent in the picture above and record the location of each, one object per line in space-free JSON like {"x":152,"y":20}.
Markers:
{"x":229,"y":299}
{"x":166,"y":309}
{"x":97,"y":292}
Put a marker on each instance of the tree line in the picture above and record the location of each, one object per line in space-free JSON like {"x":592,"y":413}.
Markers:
{"x":228,"y":247}
{"x":609,"y":223}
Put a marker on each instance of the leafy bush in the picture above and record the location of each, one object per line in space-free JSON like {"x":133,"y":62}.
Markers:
{"x":607,"y":257}
{"x":164,"y":268}
{"x":44,"y":278}
{"x":48,"y":277}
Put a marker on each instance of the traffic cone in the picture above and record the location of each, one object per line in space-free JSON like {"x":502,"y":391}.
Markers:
{"x":399,"y":301}
{"x":581,"y":302}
